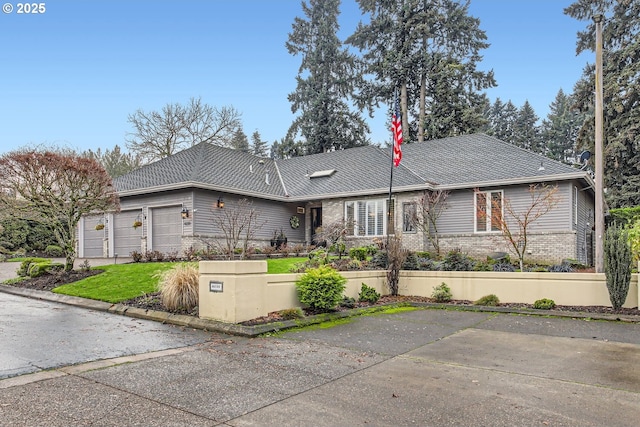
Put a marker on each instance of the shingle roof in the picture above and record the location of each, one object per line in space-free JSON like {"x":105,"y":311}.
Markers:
{"x":450,"y":162}
{"x":468,"y":159}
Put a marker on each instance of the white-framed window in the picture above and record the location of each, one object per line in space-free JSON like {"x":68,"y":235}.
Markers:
{"x":489,"y":211}
{"x":367,"y":217}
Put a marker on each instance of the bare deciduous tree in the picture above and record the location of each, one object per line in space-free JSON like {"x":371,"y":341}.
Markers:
{"x":56,"y":190}
{"x":237,"y":223}
{"x":159,"y":134}
{"x":428,"y":209}
{"x":515,"y":223}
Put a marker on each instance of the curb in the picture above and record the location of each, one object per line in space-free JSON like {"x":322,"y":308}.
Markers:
{"x":254,"y":331}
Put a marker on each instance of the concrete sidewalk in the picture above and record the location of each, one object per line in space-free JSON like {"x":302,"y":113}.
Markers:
{"x":420,"y":367}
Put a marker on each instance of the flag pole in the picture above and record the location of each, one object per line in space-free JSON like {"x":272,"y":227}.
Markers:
{"x":395,"y":94}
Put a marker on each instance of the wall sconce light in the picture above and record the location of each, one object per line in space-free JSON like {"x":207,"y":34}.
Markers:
{"x":184,"y":212}
{"x":220,"y":202}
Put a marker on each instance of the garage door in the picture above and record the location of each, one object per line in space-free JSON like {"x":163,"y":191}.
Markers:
{"x":126,"y":239}
{"x":92,"y":239}
{"x":166,"y":229}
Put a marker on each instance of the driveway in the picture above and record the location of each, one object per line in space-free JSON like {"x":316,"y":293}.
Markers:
{"x":422,"y":367}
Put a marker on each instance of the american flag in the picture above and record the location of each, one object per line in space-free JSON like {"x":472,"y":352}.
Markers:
{"x":396,"y":128}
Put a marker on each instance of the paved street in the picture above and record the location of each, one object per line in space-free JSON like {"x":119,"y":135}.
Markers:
{"x":423,"y":367}
{"x":38,"y":335}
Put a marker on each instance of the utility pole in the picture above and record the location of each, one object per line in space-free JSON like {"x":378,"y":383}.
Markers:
{"x":599,"y":160}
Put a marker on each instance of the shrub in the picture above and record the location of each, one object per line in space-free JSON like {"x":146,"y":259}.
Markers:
{"x":368,"y":294}
{"x":441,"y":293}
{"x":85,"y":266}
{"x":53,"y":251}
{"x":321,"y":288}
{"x":23,"y":270}
{"x":490,"y":300}
{"x":37,"y":269}
{"x":359,"y":253}
{"x":617,"y":265}
{"x":411,"y":262}
{"x":482,"y":266}
{"x":291,"y":313}
{"x":457,"y":261}
{"x":379,"y":260}
{"x":179,"y":287}
{"x":544,"y":304}
{"x":504,"y":267}
{"x":561,"y":268}
{"x":137,"y":256}
{"x":348,"y":302}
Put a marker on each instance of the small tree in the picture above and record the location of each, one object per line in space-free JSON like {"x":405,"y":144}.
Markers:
{"x":617,"y":265}
{"x":239,"y":222}
{"x":56,"y":190}
{"x":427,"y":211}
{"x":396,"y":256}
{"x":514,"y":221}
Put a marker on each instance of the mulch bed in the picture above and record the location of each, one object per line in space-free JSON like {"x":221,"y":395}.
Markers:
{"x":152,"y":301}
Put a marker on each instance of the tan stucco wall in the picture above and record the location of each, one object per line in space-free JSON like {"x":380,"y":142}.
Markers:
{"x":249,"y":292}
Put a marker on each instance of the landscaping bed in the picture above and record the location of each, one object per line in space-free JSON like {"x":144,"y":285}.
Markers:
{"x":151,"y":301}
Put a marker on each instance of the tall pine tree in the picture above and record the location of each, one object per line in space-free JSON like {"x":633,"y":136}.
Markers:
{"x":621,"y":87}
{"x":324,"y":83}
{"x":559,"y":130}
{"x":429,"y":50}
{"x":258,"y":146}
{"x":526,"y":132}
{"x":239,"y":140}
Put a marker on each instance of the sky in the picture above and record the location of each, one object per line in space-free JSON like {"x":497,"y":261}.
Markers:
{"x":71,"y":75}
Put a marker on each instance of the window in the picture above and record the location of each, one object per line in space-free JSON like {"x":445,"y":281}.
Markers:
{"x":408,"y":217}
{"x":488,"y":205}
{"x":367,"y":217}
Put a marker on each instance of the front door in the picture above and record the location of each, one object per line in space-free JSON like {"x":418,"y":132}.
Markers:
{"x":316,"y":223}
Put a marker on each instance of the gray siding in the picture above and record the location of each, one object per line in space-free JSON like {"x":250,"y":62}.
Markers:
{"x":272,"y":216}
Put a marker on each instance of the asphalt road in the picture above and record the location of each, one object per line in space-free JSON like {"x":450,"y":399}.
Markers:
{"x":39,"y":335}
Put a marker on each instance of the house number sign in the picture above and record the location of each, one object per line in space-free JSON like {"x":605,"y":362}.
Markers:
{"x":215,"y":286}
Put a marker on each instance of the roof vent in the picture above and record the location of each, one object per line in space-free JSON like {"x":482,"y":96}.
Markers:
{"x":320,"y":174}
{"x":266,"y":178}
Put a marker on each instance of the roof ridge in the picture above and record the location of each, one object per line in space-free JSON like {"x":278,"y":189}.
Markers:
{"x":284,"y":187}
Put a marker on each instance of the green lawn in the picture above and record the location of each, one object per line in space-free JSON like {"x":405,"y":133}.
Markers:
{"x":121,"y":282}
{"x":283,"y":265}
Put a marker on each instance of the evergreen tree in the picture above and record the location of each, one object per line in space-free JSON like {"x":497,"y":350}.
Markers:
{"x":621,"y":68}
{"x":526,"y":132}
{"x":325,"y":80}
{"x":502,"y":120}
{"x":429,"y":50}
{"x":560,"y":129}
{"x":239,"y":141}
{"x":286,"y":149}
{"x":115,"y":162}
{"x":258,"y":146}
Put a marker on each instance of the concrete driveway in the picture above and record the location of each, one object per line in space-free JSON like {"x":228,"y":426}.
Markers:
{"x":422,"y":367}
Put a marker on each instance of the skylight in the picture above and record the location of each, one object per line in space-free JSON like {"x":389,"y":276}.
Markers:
{"x":320,"y":174}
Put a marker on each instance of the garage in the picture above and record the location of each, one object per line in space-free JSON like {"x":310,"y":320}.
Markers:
{"x":166,"y":229}
{"x":92,"y":238}
{"x":127,"y":239}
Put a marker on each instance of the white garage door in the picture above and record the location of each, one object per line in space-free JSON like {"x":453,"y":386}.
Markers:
{"x":92,"y":238}
{"x":126,"y":239}
{"x":166,"y":229}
